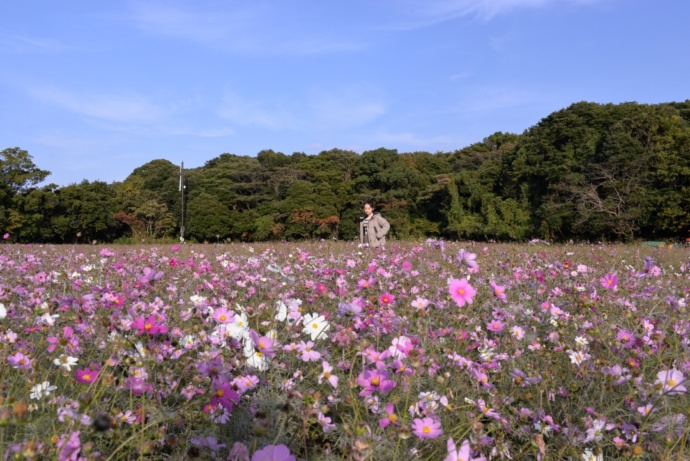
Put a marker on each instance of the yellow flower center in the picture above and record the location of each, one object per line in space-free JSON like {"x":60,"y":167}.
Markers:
{"x":262,"y":344}
{"x":671,"y":383}
{"x":220,"y":393}
{"x":426,"y":429}
{"x":315,"y":325}
{"x":223,"y":318}
{"x":375,"y":382}
{"x":326,"y":374}
{"x":147,"y":326}
{"x":393,"y":418}
{"x":86,"y":377}
{"x":461,"y":291}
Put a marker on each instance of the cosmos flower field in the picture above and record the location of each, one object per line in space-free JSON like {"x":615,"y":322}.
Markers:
{"x":427,"y":350}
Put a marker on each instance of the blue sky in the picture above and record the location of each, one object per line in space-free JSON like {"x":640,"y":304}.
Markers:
{"x":95,"y":89}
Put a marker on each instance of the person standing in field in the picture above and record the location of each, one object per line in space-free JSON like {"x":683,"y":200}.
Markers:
{"x":373,"y":227}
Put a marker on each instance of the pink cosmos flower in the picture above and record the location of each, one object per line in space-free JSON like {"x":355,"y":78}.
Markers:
{"x":467,"y":258}
{"x":499,"y":291}
{"x":461,"y":291}
{"x":495,"y":326}
{"x":463,"y":454}
{"x":386,"y":299}
{"x":263,"y":344}
{"x":363,"y":284}
{"x":375,"y":381}
{"x":137,"y":385}
{"x":149,"y":326}
{"x":391,"y":417}
{"x":224,"y":394}
{"x":68,"y":341}
{"x":86,"y":375}
{"x":488,"y":412}
{"x":426,"y":428}
{"x":21,"y":361}
{"x":308,"y":354}
{"x":223,"y":315}
{"x":609,"y":281}
{"x":406,"y":265}
{"x":69,"y":447}
{"x":325,"y":422}
{"x":420,"y":303}
{"x":273,"y":453}
{"x":401,"y":347}
{"x":327,"y":375}
{"x":321,"y":289}
{"x":671,"y":381}
{"x":6,"y":236}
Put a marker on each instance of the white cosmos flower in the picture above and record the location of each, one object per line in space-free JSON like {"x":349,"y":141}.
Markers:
{"x":3,"y":311}
{"x":41,"y":390}
{"x":65,"y":361}
{"x":47,"y":319}
{"x":255,"y":359}
{"x":316,"y":326}
{"x":281,"y":309}
{"x":239,"y":329}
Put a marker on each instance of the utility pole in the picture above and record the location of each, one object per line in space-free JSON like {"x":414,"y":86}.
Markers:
{"x":182,"y":188}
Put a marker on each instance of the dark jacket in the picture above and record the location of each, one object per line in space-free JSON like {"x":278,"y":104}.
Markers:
{"x":377,"y":228}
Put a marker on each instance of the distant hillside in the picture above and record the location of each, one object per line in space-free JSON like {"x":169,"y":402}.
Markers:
{"x":588,"y":172}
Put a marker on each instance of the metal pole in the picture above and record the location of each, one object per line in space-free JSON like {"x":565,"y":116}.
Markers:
{"x":182,"y":188}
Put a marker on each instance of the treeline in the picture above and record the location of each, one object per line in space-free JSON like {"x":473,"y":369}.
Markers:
{"x":587,"y":172}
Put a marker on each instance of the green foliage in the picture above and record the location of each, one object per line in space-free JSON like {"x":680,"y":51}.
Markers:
{"x":588,"y":172}
{"x":207,"y":218}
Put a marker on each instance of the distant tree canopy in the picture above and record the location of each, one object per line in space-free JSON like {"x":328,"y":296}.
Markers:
{"x":587,"y":172}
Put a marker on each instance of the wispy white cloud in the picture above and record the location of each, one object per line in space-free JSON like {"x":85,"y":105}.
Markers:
{"x":494,"y":98}
{"x":322,"y":109}
{"x":415,"y":14}
{"x":242,"y":27}
{"x":26,"y":44}
{"x":345,"y":108}
{"x":111,"y":107}
{"x":273,"y":114}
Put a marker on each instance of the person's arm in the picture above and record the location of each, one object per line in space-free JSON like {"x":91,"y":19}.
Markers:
{"x":384,"y":226}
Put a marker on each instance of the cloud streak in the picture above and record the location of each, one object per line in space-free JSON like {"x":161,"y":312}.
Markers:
{"x":416,"y":14}
{"x":116,"y":108}
{"x":240,"y":27}
{"x":27,"y":44}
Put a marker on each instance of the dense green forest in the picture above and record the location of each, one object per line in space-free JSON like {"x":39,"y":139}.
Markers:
{"x":587,"y":172}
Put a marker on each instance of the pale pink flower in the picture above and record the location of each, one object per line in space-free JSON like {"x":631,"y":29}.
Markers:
{"x":461,"y":291}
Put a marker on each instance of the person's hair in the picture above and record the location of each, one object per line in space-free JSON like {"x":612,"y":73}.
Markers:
{"x":368,"y":202}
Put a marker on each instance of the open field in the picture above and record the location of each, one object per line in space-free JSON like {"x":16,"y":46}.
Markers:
{"x":324,"y":350}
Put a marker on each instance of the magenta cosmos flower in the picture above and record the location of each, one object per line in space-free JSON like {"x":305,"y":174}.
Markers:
{"x":609,"y":281}
{"x":86,"y":375}
{"x":375,"y":381}
{"x":149,"y":326}
{"x":386,"y":299}
{"x":224,"y":394}
{"x":461,"y":291}
{"x":499,"y":291}
{"x":426,"y":428}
